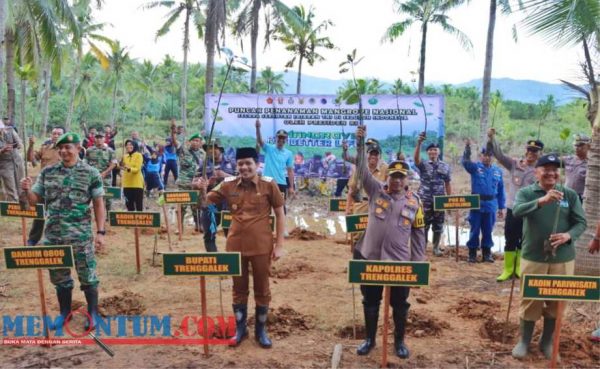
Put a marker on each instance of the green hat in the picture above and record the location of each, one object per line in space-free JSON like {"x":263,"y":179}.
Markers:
{"x":195,"y":135}
{"x":68,"y":138}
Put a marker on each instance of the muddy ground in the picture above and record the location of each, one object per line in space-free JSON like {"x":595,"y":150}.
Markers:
{"x":457,"y":322}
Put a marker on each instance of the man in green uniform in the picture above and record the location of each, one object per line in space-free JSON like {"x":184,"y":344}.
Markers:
{"x":546,"y":250}
{"x":67,"y":188}
{"x":103,"y":158}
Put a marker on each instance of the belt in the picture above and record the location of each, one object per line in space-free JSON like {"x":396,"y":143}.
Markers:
{"x":486,"y":197}
{"x":365,"y":199}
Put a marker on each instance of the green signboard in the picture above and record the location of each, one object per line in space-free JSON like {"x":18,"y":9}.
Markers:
{"x":337,"y":205}
{"x":226,"y":219}
{"x":112,"y":192}
{"x":13,"y":209}
{"x":356,"y":223}
{"x":388,"y":273}
{"x":134,"y":219}
{"x":46,"y":257}
{"x":455,"y":202}
{"x":181,"y":197}
{"x":561,"y":287}
{"x":203,"y":264}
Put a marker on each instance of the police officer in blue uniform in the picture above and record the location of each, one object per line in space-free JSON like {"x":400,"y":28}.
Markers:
{"x":486,"y":181}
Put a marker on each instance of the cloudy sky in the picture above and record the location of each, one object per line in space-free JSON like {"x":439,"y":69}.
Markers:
{"x":360,"y":25}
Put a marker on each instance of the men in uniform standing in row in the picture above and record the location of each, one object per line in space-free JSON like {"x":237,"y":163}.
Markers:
{"x":67,"y":188}
{"x":190,"y":164}
{"x":546,"y":250}
{"x":103,"y":158}
{"x":576,"y":165}
{"x":11,"y":162}
{"x":47,"y":155}
{"x":435,"y":181}
{"x":395,"y":231}
{"x":522,"y":173}
{"x":486,"y":181}
{"x":251,"y":198}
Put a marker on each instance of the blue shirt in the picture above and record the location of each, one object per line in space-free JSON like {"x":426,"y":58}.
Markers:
{"x":170,"y":152}
{"x":154,"y":167}
{"x":486,"y":182}
{"x":277,"y":162}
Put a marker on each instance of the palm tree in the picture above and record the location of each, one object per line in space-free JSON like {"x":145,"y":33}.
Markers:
{"x":85,"y":84}
{"x":119,"y":60}
{"x":303,"y":41}
{"x":3,"y":11}
{"x":248,"y":20}
{"x":489,"y":55}
{"x":400,"y":88}
{"x":191,"y":13}
{"x":577,"y":22}
{"x":426,"y":12}
{"x":270,"y":82}
{"x":216,"y":18}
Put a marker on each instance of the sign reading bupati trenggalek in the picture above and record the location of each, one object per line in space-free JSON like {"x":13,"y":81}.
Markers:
{"x":181,"y":197}
{"x":46,"y":257}
{"x":317,"y":125}
{"x":13,"y":209}
{"x":202,"y":264}
{"x":389,"y":273}
{"x":455,"y":202}
{"x":134,"y":219}
{"x":561,"y":287}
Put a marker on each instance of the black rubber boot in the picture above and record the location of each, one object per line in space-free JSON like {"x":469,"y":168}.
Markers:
{"x":371,"y":318}
{"x":437,"y":237}
{"x":472,"y":255}
{"x":487,"y":255}
{"x":546,"y":340}
{"x":91,"y":296}
{"x":400,"y":315}
{"x":241,"y":329}
{"x":521,"y":348}
{"x":65,"y":297}
{"x":260,"y":328}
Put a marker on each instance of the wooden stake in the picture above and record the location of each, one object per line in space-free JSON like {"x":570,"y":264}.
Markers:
{"x":456,"y":220}
{"x":164,"y":208}
{"x":512,"y":289}
{"x":179,"y":222}
{"x":24,"y":231}
{"x":204,"y":316}
{"x":137,"y":249}
{"x":386,"y":318}
{"x":353,"y":313}
{"x":557,"y":328}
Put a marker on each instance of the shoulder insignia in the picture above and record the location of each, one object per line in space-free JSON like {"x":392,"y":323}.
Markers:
{"x":266,"y":179}
{"x":229,"y":179}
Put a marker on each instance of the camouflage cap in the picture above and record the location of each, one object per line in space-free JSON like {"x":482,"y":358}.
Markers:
{"x":68,"y":138}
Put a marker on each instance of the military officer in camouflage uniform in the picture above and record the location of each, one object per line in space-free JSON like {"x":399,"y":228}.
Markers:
{"x":522,"y":174}
{"x":576,"y":165}
{"x":67,"y":188}
{"x":103,"y":158}
{"x":47,"y":155}
{"x":190,"y":165}
{"x":435,"y":181}
{"x":395,"y":231}
{"x":11,"y":162}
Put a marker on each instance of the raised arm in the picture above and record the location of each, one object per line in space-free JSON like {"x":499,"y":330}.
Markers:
{"x":259,"y":140}
{"x":506,"y":161}
{"x":417,"y":153}
{"x":466,"y":159}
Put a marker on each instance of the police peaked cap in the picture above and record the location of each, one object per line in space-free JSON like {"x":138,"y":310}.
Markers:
{"x":68,"y":138}
{"x":549,"y":159}
{"x":246,"y":152}
{"x":398,"y":167}
{"x":535,"y":144}
{"x":371,"y":141}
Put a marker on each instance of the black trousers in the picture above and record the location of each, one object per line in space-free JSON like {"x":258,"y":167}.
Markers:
{"x":283,"y":189}
{"x":134,"y":198}
{"x":36,"y":232}
{"x":340,"y":184}
{"x":513,"y":231}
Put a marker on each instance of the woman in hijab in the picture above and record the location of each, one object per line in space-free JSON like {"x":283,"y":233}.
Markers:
{"x":133,"y":180}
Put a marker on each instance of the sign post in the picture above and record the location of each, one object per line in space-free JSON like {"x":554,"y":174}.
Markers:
{"x":179,"y":198}
{"x":388,"y":274}
{"x":456,"y":202}
{"x":138,"y":220}
{"x":214,"y":264}
{"x":337,"y":205}
{"x":560,"y":288}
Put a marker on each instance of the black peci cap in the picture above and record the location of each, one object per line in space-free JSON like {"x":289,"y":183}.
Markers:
{"x":246,"y":152}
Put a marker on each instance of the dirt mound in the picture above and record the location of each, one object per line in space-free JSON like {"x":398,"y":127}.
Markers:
{"x":576,"y":347}
{"x":285,"y":320}
{"x":420,"y":324}
{"x":305,"y":235}
{"x":493,"y":329}
{"x":475,"y":308}
{"x":290,"y":270}
{"x":347,"y":332}
{"x":463,"y":253}
{"x":127,"y":303}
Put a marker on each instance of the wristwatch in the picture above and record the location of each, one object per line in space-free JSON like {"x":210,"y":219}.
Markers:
{"x":101,"y":232}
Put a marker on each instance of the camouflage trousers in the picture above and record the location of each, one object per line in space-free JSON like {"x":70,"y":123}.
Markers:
{"x":85,"y":265}
{"x":106,"y":182}
{"x":433,"y":219}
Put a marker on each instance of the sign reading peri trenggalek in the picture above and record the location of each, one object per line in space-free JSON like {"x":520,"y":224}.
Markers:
{"x":356,"y":223}
{"x":389,"y":273}
{"x":112,"y":192}
{"x":46,"y":257}
{"x":134,"y":219}
{"x":561,"y":287}
{"x":455,"y":202}
{"x":181,"y":197}
{"x":337,"y":205}
{"x":202,"y":264}
{"x":13,"y":209}
{"x":227,"y":218}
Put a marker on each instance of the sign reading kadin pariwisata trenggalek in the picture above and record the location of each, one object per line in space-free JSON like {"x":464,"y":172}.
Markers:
{"x":227,"y":218}
{"x":134,"y":219}
{"x":181,"y":197}
{"x":202,"y":264}
{"x":112,"y":192}
{"x":337,"y":204}
{"x":389,"y":273}
{"x":13,"y":209}
{"x":455,"y":202}
{"x":561,"y":287}
{"x":357,"y":223}
{"x":46,"y":257}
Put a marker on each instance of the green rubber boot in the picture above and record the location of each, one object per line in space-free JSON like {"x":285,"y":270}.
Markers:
{"x":509,"y":264}
{"x":518,"y":260}
{"x":546,"y":337}
{"x":521,"y":348}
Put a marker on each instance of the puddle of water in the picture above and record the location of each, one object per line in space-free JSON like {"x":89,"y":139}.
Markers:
{"x":449,"y":236}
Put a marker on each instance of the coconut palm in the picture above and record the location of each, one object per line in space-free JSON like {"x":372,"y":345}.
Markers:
{"x":248,"y":20}
{"x":118,"y":60}
{"x":270,"y":82}
{"x":191,"y":12}
{"x":303,"y":40}
{"x":426,"y":12}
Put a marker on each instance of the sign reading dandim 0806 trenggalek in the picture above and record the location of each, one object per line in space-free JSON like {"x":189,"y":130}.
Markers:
{"x":44,"y":257}
{"x":388,"y":273}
